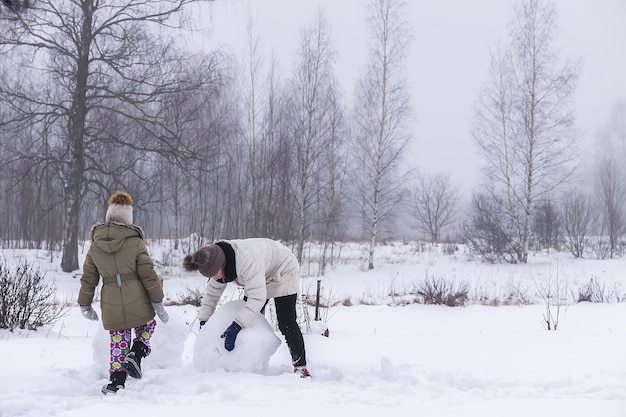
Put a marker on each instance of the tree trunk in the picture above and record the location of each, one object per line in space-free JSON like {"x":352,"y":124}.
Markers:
{"x":76,"y":132}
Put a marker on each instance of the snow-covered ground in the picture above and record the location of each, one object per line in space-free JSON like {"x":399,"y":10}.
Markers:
{"x":385,"y":353}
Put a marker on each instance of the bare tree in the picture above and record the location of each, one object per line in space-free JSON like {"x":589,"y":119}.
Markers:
{"x":266,"y":173}
{"x":314,"y":95}
{"x":611,"y":195}
{"x":14,"y":8}
{"x":330,"y":202}
{"x":196,"y":120}
{"x":547,"y":223}
{"x":434,"y":204}
{"x":381,"y":116}
{"x":577,"y":222}
{"x":524,"y":123}
{"x":253,"y":84}
{"x":280,"y":167}
{"x":95,"y":58}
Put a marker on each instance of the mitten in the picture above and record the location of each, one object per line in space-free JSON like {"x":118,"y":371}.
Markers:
{"x":89,"y":313}
{"x":160,"y":311}
{"x":230,"y":335}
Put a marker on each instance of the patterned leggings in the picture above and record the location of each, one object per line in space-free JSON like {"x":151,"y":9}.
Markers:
{"x":121,"y":341}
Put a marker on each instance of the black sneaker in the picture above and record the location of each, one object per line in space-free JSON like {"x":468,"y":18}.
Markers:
{"x":115,"y":384}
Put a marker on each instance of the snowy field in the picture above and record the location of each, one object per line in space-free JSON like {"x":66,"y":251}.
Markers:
{"x":385,"y":353}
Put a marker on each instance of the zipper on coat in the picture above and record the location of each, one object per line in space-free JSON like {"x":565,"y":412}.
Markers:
{"x":119,"y":280}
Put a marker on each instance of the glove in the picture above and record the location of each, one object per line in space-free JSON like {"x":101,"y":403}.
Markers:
{"x":160,"y":311}
{"x":230,"y":335}
{"x":89,"y":313}
{"x":202,"y":323}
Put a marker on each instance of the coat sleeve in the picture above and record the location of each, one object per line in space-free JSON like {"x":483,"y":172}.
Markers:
{"x":255,"y":288}
{"x":88,"y":282}
{"x":212,"y":294}
{"x":147,"y":274}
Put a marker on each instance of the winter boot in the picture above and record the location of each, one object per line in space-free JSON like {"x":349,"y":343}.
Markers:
{"x":302,"y":371}
{"x":133,"y":359}
{"x":116,"y":383}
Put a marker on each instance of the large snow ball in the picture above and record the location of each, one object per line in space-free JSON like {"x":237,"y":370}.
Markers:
{"x":254,"y":345}
{"x":167,"y":343}
{"x":167,"y":346}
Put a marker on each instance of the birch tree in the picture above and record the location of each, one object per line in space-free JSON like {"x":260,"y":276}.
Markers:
{"x":524,"y":120}
{"x":253,"y":84}
{"x":330,"y":207}
{"x":381,"y":115}
{"x":314,"y":95}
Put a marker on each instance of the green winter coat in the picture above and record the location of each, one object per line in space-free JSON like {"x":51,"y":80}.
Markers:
{"x":129,"y":282}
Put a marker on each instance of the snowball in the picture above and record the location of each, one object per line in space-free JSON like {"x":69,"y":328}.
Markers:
{"x":167,"y":344}
{"x":254,"y":345}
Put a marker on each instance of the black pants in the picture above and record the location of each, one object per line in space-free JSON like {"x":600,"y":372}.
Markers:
{"x":288,"y":326}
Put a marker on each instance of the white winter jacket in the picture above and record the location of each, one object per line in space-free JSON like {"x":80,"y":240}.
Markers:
{"x":265,"y":269}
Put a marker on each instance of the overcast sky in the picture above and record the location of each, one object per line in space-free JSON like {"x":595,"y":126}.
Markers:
{"x":448,"y":62}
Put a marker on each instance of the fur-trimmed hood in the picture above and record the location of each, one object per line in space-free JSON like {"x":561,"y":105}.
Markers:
{"x":130,"y":226}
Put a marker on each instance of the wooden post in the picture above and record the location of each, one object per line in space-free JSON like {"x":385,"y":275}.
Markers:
{"x":317,"y":300}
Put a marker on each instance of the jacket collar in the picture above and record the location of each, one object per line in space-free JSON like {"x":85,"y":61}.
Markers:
{"x":230,"y":269}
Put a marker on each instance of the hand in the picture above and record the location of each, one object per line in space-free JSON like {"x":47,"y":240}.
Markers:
{"x":160,"y":311}
{"x":89,"y":313}
{"x":230,"y":335}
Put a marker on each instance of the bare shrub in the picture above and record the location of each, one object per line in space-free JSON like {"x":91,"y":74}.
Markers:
{"x":592,"y":292}
{"x":168,"y":257}
{"x":419,"y":247}
{"x":441,"y":291}
{"x":27,"y":301}
{"x":450,"y":248}
{"x":191,"y":296}
{"x":488,"y":232}
{"x":552,"y":289}
{"x":514,"y":297}
{"x":321,"y":301}
{"x":601,"y":247}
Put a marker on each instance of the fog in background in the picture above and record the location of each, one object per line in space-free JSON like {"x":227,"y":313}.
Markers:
{"x":448,"y":62}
